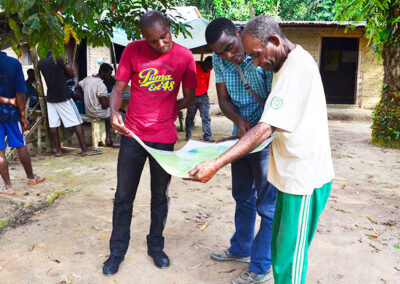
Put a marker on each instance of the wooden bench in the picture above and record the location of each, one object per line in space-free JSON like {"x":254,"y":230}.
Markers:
{"x":98,"y":126}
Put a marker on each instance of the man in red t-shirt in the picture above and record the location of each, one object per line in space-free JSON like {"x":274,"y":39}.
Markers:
{"x":202,"y":102}
{"x":156,"y":66}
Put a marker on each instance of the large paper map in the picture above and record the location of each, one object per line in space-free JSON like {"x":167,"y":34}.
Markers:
{"x":179,"y":163}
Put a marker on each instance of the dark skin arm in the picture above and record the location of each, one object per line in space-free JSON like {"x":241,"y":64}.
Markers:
{"x":230,"y":110}
{"x":204,"y":171}
{"x":69,"y":71}
{"x":189,"y":96}
{"x":9,"y":101}
{"x":79,"y":93}
{"x":104,"y":102}
{"x":21,"y":103}
{"x":117,"y":122}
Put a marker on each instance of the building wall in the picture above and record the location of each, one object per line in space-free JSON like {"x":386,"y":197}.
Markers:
{"x":10,"y":52}
{"x":370,"y":69}
{"x":369,"y":75}
{"x":96,"y":56}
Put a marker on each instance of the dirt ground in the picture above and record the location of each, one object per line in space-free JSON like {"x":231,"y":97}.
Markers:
{"x":358,"y":238}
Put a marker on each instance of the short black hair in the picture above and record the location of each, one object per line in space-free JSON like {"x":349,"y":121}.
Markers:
{"x":105,"y":68}
{"x":150,"y":17}
{"x":262,"y":28}
{"x":208,"y":59}
{"x":30,"y":71}
{"x":217,"y":27}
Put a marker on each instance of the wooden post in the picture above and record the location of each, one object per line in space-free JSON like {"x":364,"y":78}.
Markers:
{"x":39,"y":136}
{"x":74,"y":54}
{"x":113,"y":56}
{"x":41,"y":98}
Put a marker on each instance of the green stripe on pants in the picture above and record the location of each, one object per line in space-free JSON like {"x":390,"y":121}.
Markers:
{"x":295,"y":222}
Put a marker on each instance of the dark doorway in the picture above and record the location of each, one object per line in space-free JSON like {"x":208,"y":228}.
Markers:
{"x":339,"y":59}
{"x":82,"y":60}
{"x":118,"y":51}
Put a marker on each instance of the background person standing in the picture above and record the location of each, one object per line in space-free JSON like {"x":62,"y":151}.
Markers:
{"x":202,"y":102}
{"x":60,"y":106}
{"x":13,"y":121}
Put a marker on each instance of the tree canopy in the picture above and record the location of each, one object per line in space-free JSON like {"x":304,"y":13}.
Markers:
{"x":284,"y":9}
{"x":49,"y":24}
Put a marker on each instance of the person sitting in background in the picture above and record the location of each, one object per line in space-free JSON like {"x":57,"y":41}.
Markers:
{"x":93,"y":92}
{"x":109,"y":82}
{"x":203,"y":69}
{"x":31,"y":89}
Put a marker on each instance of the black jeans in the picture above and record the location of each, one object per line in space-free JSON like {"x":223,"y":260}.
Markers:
{"x":131,"y":160}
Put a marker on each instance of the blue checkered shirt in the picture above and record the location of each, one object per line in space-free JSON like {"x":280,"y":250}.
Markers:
{"x":259,"y":80}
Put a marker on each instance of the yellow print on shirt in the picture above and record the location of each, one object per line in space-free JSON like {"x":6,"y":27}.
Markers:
{"x":155,"y":82}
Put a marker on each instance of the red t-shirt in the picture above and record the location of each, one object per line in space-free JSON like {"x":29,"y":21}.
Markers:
{"x":203,"y":80}
{"x":156,"y":78}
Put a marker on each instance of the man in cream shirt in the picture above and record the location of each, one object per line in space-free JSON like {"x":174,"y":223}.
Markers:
{"x":94,"y":94}
{"x":300,"y":163}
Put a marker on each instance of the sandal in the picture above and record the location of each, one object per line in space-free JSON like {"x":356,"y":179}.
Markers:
{"x":63,"y":153}
{"x":92,"y":152}
{"x":7,"y":191}
{"x":36,"y":180}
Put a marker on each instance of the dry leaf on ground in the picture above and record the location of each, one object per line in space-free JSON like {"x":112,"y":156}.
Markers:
{"x":196,"y":266}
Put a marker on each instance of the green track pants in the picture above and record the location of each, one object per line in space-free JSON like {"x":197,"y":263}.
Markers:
{"x":295,"y":222}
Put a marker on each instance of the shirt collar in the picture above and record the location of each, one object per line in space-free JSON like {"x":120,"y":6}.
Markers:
{"x":247,"y":58}
{"x":245,"y":62}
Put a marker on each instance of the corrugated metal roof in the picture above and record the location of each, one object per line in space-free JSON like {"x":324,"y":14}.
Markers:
{"x":198,"y":32}
{"x":313,"y":24}
{"x":198,"y":35}
{"x":188,"y":13}
{"x":321,"y":24}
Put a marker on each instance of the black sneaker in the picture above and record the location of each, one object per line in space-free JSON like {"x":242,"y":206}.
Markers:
{"x":111,"y":265}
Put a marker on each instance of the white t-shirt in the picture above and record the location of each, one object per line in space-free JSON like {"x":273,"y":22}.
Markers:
{"x":93,"y":89}
{"x":300,"y":158}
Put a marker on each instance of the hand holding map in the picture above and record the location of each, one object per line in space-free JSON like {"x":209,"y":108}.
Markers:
{"x":179,"y":163}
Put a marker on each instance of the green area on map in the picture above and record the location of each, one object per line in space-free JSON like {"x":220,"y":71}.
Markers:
{"x":180,"y":165}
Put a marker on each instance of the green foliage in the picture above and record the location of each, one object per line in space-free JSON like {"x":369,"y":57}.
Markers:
{"x":48,"y":24}
{"x":382,"y":19}
{"x":386,"y":117}
{"x":237,"y":10}
{"x":383,"y":29}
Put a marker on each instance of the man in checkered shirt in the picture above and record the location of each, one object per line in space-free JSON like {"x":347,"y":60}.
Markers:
{"x":250,"y":189}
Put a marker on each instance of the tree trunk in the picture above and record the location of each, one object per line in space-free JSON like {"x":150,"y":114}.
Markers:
{"x":42,"y":102}
{"x":386,"y":118}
